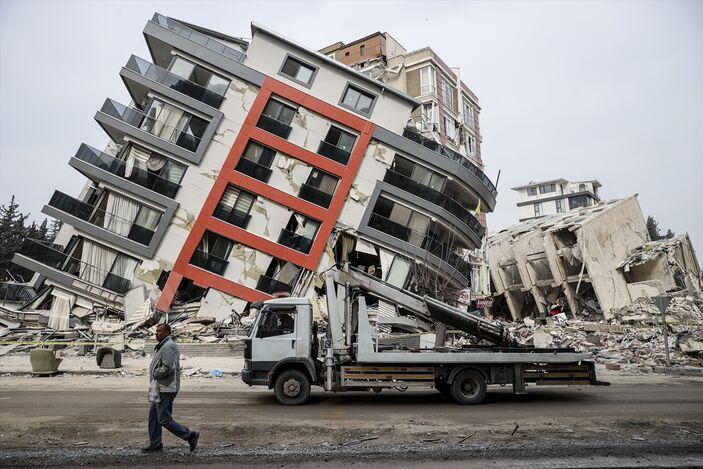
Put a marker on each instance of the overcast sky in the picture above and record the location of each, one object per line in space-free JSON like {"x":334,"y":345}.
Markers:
{"x":610,"y":91}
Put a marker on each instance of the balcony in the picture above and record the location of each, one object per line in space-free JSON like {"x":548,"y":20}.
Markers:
{"x":253,"y":169}
{"x":273,"y":126}
{"x":436,"y":197}
{"x":51,"y":256}
{"x":314,"y":195}
{"x":96,"y":216}
{"x":170,"y":80}
{"x":232,"y":216}
{"x":333,"y":152}
{"x":271,"y":286}
{"x":199,"y":38}
{"x":452,"y":155}
{"x":209,"y":262}
{"x":117,"y":167}
{"x":295,"y":241}
{"x":422,"y":241}
{"x":136,"y":118}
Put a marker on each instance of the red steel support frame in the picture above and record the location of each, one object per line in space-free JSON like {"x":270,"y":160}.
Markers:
{"x":327,"y":217}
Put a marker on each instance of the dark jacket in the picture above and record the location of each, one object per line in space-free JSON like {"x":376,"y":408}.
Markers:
{"x":165,"y":366}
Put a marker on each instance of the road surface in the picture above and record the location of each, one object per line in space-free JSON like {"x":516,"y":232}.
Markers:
{"x":84,"y":419}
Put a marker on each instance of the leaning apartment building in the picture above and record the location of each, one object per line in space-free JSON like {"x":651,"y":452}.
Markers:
{"x":242,"y":169}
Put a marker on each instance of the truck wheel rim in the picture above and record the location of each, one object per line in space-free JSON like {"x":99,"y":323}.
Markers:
{"x":469,"y":387}
{"x":291,"y":387}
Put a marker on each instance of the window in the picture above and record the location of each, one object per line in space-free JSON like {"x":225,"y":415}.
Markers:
{"x":299,"y":233}
{"x":362,"y":50}
{"x":398,"y":272}
{"x":560,"y":206}
{"x":280,"y":277}
{"x":358,"y":100}
{"x":298,"y":70}
{"x":418,"y":173}
{"x":579,"y":201}
{"x":187,"y":70}
{"x":212,"y":253}
{"x":449,"y":128}
{"x":400,"y":221}
{"x":279,"y":111}
{"x":547,"y":188}
{"x":427,"y":80}
{"x":538,"y":210}
{"x":447,"y":94}
{"x":468,"y":113}
{"x":531,"y":191}
{"x":337,"y":145}
{"x":234,"y":206}
{"x":469,"y":143}
{"x":256,"y":161}
{"x":147,"y":219}
{"x":319,"y":188}
{"x":276,"y":322}
{"x":430,"y":116}
{"x":582,"y":187}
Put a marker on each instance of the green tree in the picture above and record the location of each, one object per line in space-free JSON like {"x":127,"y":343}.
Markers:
{"x":12,"y":234}
{"x":53,"y":229}
{"x":653,"y":230}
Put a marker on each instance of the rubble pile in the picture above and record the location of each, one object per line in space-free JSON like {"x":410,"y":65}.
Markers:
{"x":634,"y":338}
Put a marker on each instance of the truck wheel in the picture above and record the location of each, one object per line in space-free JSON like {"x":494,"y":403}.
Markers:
{"x":292,"y":387}
{"x":469,"y":387}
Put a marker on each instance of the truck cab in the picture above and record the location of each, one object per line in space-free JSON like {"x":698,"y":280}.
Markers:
{"x":279,"y":351}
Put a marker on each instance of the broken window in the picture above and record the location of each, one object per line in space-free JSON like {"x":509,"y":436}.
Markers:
{"x":449,"y":127}
{"x":234,"y":206}
{"x":511,"y":275}
{"x":430,"y":116}
{"x":540,"y":269}
{"x":279,"y":277}
{"x":299,"y":233}
{"x":298,"y":70}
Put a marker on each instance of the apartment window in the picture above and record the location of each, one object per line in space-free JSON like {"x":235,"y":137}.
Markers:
{"x":468,"y":113}
{"x":337,"y":145}
{"x":449,"y":127}
{"x":447,"y":93}
{"x":427,"y":80}
{"x":212,"y":253}
{"x":362,"y":50}
{"x":547,"y":188}
{"x":531,"y":191}
{"x":298,"y":71}
{"x":424,"y":176}
{"x":560,"y":205}
{"x":398,"y":271}
{"x":234,"y":206}
{"x":430,"y":116}
{"x":144,"y":225}
{"x":319,"y":188}
{"x":538,"y":210}
{"x":280,"y":276}
{"x":299,"y":233}
{"x":582,"y":187}
{"x":400,"y":221}
{"x":358,"y":100}
{"x":201,"y":76}
{"x":173,"y":124}
{"x":469,"y":143}
{"x":256,"y":161}
{"x":276,"y":118}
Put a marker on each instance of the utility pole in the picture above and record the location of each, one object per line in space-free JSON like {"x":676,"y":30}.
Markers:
{"x":662,"y":303}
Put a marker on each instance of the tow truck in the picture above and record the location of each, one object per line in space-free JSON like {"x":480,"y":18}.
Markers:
{"x":287,"y":353}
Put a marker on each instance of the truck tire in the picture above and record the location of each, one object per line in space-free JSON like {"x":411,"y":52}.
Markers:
{"x":292,"y":387}
{"x":469,"y":387}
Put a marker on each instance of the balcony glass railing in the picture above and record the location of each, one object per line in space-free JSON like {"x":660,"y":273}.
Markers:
{"x":118,"y":167}
{"x":273,"y":126}
{"x":50,"y":255}
{"x":333,"y":152}
{"x":436,"y":197}
{"x":209,"y":262}
{"x":316,"y":196}
{"x":295,"y":241}
{"x":175,"y":82}
{"x":232,"y":216}
{"x":137,"y":118}
{"x":452,"y":155}
{"x":271,"y":286}
{"x":253,"y":169}
{"x":427,"y":243}
{"x":195,"y":36}
{"x":96,"y":216}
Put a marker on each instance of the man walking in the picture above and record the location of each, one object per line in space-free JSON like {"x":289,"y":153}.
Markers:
{"x":164,"y":383}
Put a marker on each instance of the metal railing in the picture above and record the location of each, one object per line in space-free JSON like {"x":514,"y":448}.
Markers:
{"x":427,"y":243}
{"x":232,"y":216}
{"x":452,"y":155}
{"x":137,"y":118}
{"x":269,"y":285}
{"x":436,"y":197}
{"x":273,"y":126}
{"x":49,"y":254}
{"x":314,"y":195}
{"x":209,"y":262}
{"x":199,"y":38}
{"x":117,"y":167}
{"x":254,"y":169}
{"x":175,"y":82}
{"x":96,"y":216}
{"x":333,"y":152}
{"x":295,"y":241}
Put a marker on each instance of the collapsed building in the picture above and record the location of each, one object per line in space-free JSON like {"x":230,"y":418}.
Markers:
{"x":241,"y":169}
{"x":592,"y":260}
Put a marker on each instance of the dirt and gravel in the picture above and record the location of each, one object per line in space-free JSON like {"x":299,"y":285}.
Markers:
{"x":78,"y":420}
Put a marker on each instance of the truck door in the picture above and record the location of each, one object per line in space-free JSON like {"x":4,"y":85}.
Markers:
{"x":275,"y":338}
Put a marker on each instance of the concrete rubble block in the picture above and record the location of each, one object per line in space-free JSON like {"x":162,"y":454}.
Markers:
{"x":542,"y":339}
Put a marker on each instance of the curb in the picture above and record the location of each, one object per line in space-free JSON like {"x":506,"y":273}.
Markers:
{"x":689,"y":371}
{"x":115,"y":371}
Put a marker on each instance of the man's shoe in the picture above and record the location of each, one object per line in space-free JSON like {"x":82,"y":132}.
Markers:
{"x":193,"y":440}
{"x":153,"y":448}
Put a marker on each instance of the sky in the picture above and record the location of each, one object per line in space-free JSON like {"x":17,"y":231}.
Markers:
{"x":611,"y":91}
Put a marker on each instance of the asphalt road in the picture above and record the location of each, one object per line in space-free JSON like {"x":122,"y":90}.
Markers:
{"x":45,"y":425}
